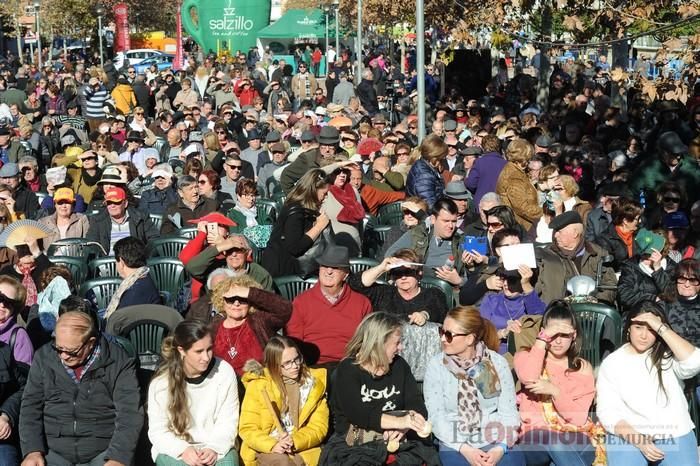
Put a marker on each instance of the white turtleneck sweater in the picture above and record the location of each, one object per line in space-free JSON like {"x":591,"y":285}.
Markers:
{"x":214,"y":409}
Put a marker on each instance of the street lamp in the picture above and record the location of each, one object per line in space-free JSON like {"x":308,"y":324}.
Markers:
{"x":37,"y":4}
{"x":100,"y":12}
{"x":326,"y":11}
{"x":358,"y":46}
{"x":336,"y":6}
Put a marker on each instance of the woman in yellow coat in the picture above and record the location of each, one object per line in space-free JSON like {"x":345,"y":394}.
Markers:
{"x":298,"y":396}
{"x":124,"y":96}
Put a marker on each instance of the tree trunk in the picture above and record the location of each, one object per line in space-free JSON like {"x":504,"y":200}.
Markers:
{"x":544,"y":71}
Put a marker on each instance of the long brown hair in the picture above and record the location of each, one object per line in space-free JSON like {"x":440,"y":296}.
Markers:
{"x":186,"y":334}
{"x":272,"y":360}
{"x":305,"y":191}
{"x":469,"y":319}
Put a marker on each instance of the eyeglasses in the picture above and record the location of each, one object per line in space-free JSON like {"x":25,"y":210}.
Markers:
{"x":675,"y":200}
{"x":249,"y":195}
{"x":235,"y":299}
{"x":694,"y":281}
{"x":494,"y":224}
{"x":70,"y":353}
{"x":296,"y":362}
{"x":449,"y":335}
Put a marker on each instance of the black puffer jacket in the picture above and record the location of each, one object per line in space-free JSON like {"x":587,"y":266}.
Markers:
{"x":684,"y":317}
{"x":425,"y":182}
{"x":81,"y":420}
{"x":636,"y":286}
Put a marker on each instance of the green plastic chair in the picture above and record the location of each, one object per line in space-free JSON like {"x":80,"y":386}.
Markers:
{"x":103,"y":267}
{"x":442,"y":285}
{"x":104,"y":289}
{"x":156,"y":220}
{"x":592,"y":317}
{"x":167,"y":273}
{"x":185,"y":232}
{"x":390,"y":214}
{"x":77,"y":266}
{"x":167,"y":247}
{"x":291,"y":286}
{"x":74,"y":247}
{"x":146,"y":336}
{"x":360,"y":264}
{"x":266,"y":211}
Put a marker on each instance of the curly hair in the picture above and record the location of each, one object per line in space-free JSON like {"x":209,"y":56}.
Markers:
{"x":217,"y":297}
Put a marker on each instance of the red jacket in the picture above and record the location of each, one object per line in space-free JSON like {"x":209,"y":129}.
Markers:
{"x":194,"y":247}
{"x":245,"y":96}
{"x":327,"y":327}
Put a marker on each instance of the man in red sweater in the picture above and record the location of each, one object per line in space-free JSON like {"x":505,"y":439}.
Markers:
{"x":325,"y":317}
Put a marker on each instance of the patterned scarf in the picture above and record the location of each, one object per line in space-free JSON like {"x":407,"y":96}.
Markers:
{"x":123,"y":286}
{"x":594,"y":431}
{"x":28,"y":282}
{"x":475,"y":375}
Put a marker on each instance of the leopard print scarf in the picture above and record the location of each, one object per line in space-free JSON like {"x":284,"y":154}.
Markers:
{"x":476,"y":375}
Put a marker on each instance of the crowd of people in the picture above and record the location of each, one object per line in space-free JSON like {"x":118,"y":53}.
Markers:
{"x":409,"y":360}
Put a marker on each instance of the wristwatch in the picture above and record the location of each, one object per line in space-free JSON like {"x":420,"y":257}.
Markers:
{"x":544,"y":337}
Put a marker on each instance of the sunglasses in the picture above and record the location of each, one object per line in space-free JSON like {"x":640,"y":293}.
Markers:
{"x":87,"y":159}
{"x":675,"y":200}
{"x":235,"y":299}
{"x":139,"y":113}
{"x":233,"y":251}
{"x":494,"y":224}
{"x":694,"y":281}
{"x":449,"y":335}
{"x":348,"y":139}
{"x":114,"y":203}
{"x":221,"y":132}
{"x":69,"y":353}
{"x":400,"y":272}
{"x":7,"y":302}
{"x":400,"y":154}
{"x":234,"y":167}
{"x":64,"y":202}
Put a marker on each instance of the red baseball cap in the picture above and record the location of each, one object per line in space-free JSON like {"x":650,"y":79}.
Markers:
{"x":115,"y":194}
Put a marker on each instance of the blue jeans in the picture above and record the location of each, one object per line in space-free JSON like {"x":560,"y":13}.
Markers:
{"x":680,"y":451}
{"x":8,"y":455}
{"x":451,"y":457}
{"x":542,"y":447}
